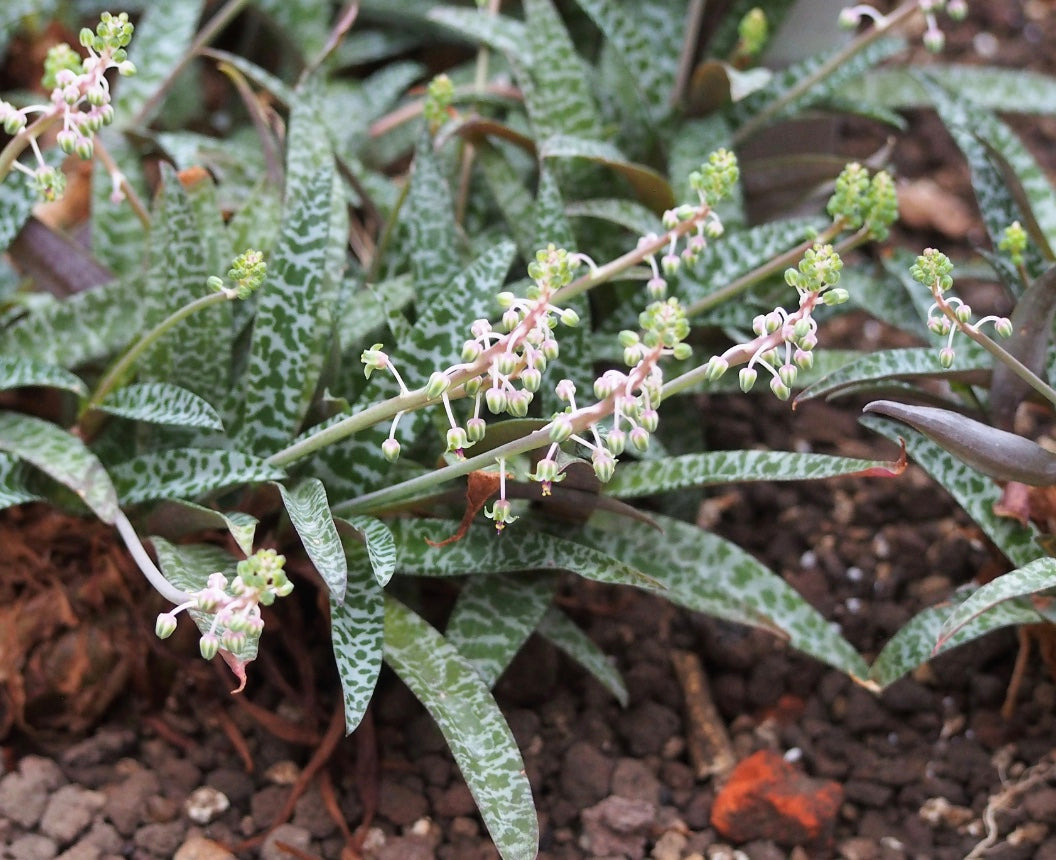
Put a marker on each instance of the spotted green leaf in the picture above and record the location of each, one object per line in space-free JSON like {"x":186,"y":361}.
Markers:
{"x":647,"y":38}
{"x":62,"y":456}
{"x":18,"y":195}
{"x":276,"y":383}
{"x":651,"y":188}
{"x":13,"y":490}
{"x":161,"y":41}
{"x":639,"y":219}
{"x":560,"y":630}
{"x":804,"y":84}
{"x":88,"y":326}
{"x":356,"y":633}
{"x":494,"y":616}
{"x":500,"y":32}
{"x":918,"y":640}
{"x":480,"y":740}
{"x":118,"y":236}
{"x":188,"y":473}
{"x":309,"y":511}
{"x":703,"y":572}
{"x":736,"y":254}
{"x":188,"y":567}
{"x":971,"y":128}
{"x":909,"y":363}
{"x":175,"y":518}
{"x":556,"y":84}
{"x":990,"y":87}
{"x":511,"y":196}
{"x":431,"y":230}
{"x":381,"y":548}
{"x":974,"y":492}
{"x":162,"y":403}
{"x":305,"y":22}
{"x":646,"y":478}
{"x":1037,"y":577}
{"x":17,"y":372}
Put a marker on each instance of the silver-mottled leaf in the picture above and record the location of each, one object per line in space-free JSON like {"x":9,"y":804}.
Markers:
{"x":161,"y":403}
{"x":62,"y":456}
{"x":471,"y":722}
{"x":188,"y":473}
{"x":309,"y":511}
{"x":356,"y":634}
{"x":381,"y":548}
{"x":17,"y":372}
{"x":561,"y":631}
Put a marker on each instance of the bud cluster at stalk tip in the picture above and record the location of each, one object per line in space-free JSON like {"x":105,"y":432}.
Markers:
{"x":80,"y":94}
{"x":247,"y":272}
{"x":948,"y":314}
{"x":864,"y":202}
{"x":234,"y":606}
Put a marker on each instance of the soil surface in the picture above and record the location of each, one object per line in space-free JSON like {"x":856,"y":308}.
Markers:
{"x":155,"y":759}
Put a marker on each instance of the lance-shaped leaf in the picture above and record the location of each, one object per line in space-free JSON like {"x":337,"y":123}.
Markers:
{"x":175,"y":518}
{"x":645,"y":478}
{"x":974,"y":492}
{"x":1031,"y":332}
{"x":309,"y":511}
{"x":500,"y":32}
{"x":647,"y":39}
{"x":494,"y":616}
{"x":972,"y":129}
{"x":561,"y":631}
{"x":161,"y":403}
{"x":918,"y":640}
{"x":431,"y":229}
{"x":994,"y":452}
{"x":649,"y":186}
{"x":18,"y":194}
{"x":1005,"y":90}
{"x":118,"y":236}
{"x":160,"y":44}
{"x":188,"y":473}
{"x":639,"y":219}
{"x":381,"y":547}
{"x":1036,"y":578}
{"x":85,"y":327}
{"x":13,"y":490}
{"x":357,"y":634}
{"x":471,"y":722}
{"x":62,"y":456}
{"x":511,"y":196}
{"x":556,"y":84}
{"x":277,"y":382}
{"x":910,"y":363}
{"x":740,"y":252}
{"x":706,"y":573}
{"x":18,"y":372}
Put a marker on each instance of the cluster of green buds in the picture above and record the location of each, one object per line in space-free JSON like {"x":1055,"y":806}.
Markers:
{"x":753,"y":31}
{"x":861,"y":202}
{"x":933,"y":39}
{"x":234,"y":606}
{"x":949,"y":314}
{"x":1014,"y":242}
{"x":80,"y":95}
{"x":438,"y":97}
{"x":247,"y":272}
{"x":713,"y":181}
{"x":784,"y":341}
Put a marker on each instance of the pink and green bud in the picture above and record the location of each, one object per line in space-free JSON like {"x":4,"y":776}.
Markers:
{"x":963,"y":313}
{"x":565,"y":390}
{"x":787,"y":374}
{"x":670,"y":264}
{"x":208,"y":645}
{"x":934,"y":40}
{"x":604,"y":464}
{"x":803,"y":358}
{"x":233,"y":640}
{"x":550,"y":349}
{"x":165,"y":626}
{"x":438,"y":383}
{"x":640,"y":438}
{"x":546,"y":473}
{"x":496,"y":400}
{"x":746,"y":378}
{"x":649,"y":419}
{"x":518,"y":403}
{"x":715,"y":368}
{"x":373,"y":359}
{"x":836,"y":296}
{"x":946,"y":357}
{"x":475,"y":429}
{"x":531,"y":379}
{"x":390,"y":449}
{"x":560,"y":428}
{"x":781,"y":391}
{"x":681,"y":351}
{"x":569,"y":318}
{"x":471,"y":351}
{"x":657,"y":287}
{"x":616,"y":441}
{"x":1003,"y":326}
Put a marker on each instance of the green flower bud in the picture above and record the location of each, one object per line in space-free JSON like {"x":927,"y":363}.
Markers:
{"x":438,"y":383}
{"x":208,"y":645}
{"x":781,"y":391}
{"x":165,"y":626}
{"x":715,"y":368}
{"x":746,"y":378}
{"x":390,"y":448}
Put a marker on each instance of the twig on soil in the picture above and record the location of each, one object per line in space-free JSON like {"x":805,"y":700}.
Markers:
{"x":1004,"y":799}
{"x":708,"y":743}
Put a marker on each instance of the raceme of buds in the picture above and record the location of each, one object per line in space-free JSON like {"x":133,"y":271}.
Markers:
{"x":753,"y":30}
{"x":932,"y":269}
{"x":866,"y":202}
{"x":438,"y":97}
{"x":234,"y":606}
{"x":715,"y":179}
{"x":1014,"y":242}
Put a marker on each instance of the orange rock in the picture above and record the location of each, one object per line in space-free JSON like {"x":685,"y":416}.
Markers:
{"x":768,"y":798}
